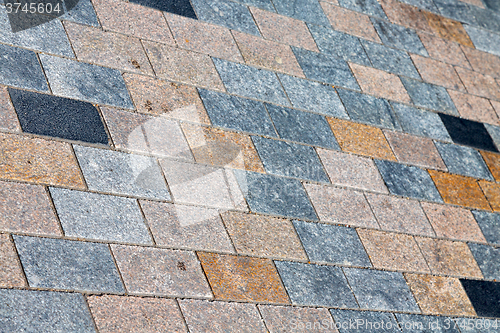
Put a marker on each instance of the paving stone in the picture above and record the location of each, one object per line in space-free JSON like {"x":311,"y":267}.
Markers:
{"x":368,"y":109}
{"x":496,"y":105}
{"x":390,"y":60}
{"x":8,"y":117}
{"x":494,"y":132}
{"x":364,"y":321}
{"x":152,"y":271}
{"x":64,"y":264}
{"x":251,"y":82}
{"x":393,"y":251}
{"x":350,"y":22}
{"x":82,"y":13}
{"x":352,"y":171}
{"x":237,"y":113}
{"x":423,"y":4}
{"x":134,"y":314}
{"x":484,"y":296}
{"x":369,"y":79}
{"x":37,"y":160}
{"x":438,"y":73}
{"x":449,"y":258}
{"x":368,"y":7}
{"x":264,"y":4}
{"x":20,"y":68}
{"x":467,"y":132}
{"x":182,"y":7}
{"x":265,"y":236}
{"x":489,"y":224}
{"x":316,"y":285}
{"x":474,"y":108}
{"x":492,"y":192}
{"x":405,"y":15}
{"x":479,"y":325}
{"x":227,"y":14}
{"x":302,"y":127}
{"x":399,"y":37}
{"x":341,"y":206}
{"x":331,"y":244}
{"x":487,"y":258}
{"x":11,"y":273}
{"x":243,"y":278}
{"x":287,"y":319}
{"x":325,"y":68}
{"x":221,"y":317}
{"x":453,"y":222}
{"x":479,"y":84}
{"x":183,"y":66}
{"x":429,"y":96}
{"x":448,"y":29}
{"x":27,"y":310}
{"x":426,"y":324}
{"x":493,"y":162}
{"x":444,"y":50}
{"x":408,"y":181}
{"x":95,"y":84}
{"x":483,"y":62}
{"x":313,"y":96}
{"x":398,"y":214}
{"x":58,"y":117}
{"x":463,"y":160}
{"x":484,"y":40}
{"x":305,"y":10}
{"x":179,"y":226}
{"x":380,"y":290}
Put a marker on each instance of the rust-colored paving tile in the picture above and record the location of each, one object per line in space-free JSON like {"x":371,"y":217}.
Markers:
{"x":361,"y":139}
{"x":493,"y":162}
{"x":483,"y":62}
{"x":492,"y":192}
{"x":379,"y":83}
{"x":243,"y":278}
{"x":459,"y":190}
{"x":448,"y":29}
{"x":405,"y":15}
{"x":203,"y":37}
{"x":440,"y":295}
{"x":284,"y":29}
{"x":350,"y":22}
{"x":8,"y":117}
{"x":11,"y":274}
{"x":393,"y":251}
{"x":437,"y":72}
{"x":38,"y":160}
{"x":169,"y":99}
{"x":474,"y":107}
{"x":479,"y":84}
{"x":267,"y":54}
{"x":444,"y":50}
{"x":449,"y":257}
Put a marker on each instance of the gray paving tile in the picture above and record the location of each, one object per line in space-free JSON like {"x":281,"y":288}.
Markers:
{"x":381,"y":290}
{"x":226,"y":13}
{"x":90,"y":83}
{"x":421,"y":122}
{"x":122,"y":173}
{"x":302,"y":127}
{"x":364,"y":321}
{"x":413,"y":323}
{"x":429,"y":96}
{"x":275,"y":195}
{"x":489,"y":224}
{"x":324,"y":68}
{"x":485,"y":19}
{"x":368,"y":7}
{"x":264,"y":4}
{"x":64,"y":264}
{"x":494,"y":132}
{"x":99,"y":216}
{"x":456,"y":10}
{"x":331,"y":244}
{"x":488,"y":259}
{"x":316,"y":285}
{"x":237,"y":113}
{"x":290,"y":159}
{"x":83,"y":13}
{"x":423,"y":4}
{"x":484,"y":40}
{"x":463,"y":160}
{"x":399,"y":37}
{"x":20,"y":68}
{"x":305,"y":10}
{"x":339,"y":44}
{"x":390,"y":60}
{"x":408,"y":181}
{"x":313,"y":96}
{"x":251,"y":82}
{"x":43,"y":312}
{"x":368,"y":109}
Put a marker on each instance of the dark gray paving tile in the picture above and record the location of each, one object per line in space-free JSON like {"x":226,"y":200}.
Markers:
{"x":413,"y":323}
{"x":463,"y":160}
{"x":64,"y":264}
{"x":494,"y":132}
{"x":315,"y":285}
{"x":83,"y":13}
{"x":381,"y":290}
{"x":368,"y":7}
{"x":488,"y":259}
{"x":251,"y":82}
{"x":364,"y":321}
{"x":423,"y":4}
{"x":331,"y":244}
{"x":399,"y":37}
{"x":456,"y":10}
{"x":305,"y":10}
{"x":237,"y":113}
{"x":484,"y":40}
{"x":86,"y":82}
{"x":478,"y":325}
{"x":390,"y":60}
{"x":290,"y":159}
{"x":469,"y":132}
{"x":275,"y":195}
{"x":339,"y":44}
{"x":429,"y":96}
{"x":226,"y":13}
{"x":368,"y":109}
{"x":43,"y":312}
{"x":302,"y":127}
{"x":122,"y":173}
{"x":484,"y":296}
{"x":408,"y":181}
{"x":313,"y":96}
{"x":179,"y":7}
{"x":324,"y":68}
{"x":489,"y":224}
{"x":99,"y":216}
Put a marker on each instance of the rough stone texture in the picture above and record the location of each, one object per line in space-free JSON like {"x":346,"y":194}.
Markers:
{"x":11,"y":273}
{"x":444,"y":50}
{"x":448,"y":29}
{"x":426,"y":324}
{"x":429,"y":96}
{"x":483,"y":62}
{"x":305,"y":10}
{"x":493,"y":162}
{"x":8,"y":118}
{"x":463,"y":160}
{"x":368,"y":7}
{"x":390,"y":60}
{"x":492,"y":192}
{"x":479,"y":84}
{"x":489,"y":224}
{"x":399,"y":37}
{"x":438,"y":73}
{"x":365,"y":321}
{"x":288,"y":319}
{"x":484,"y":40}
{"x":487,"y":258}
{"x":405,"y":15}
{"x":474,"y":107}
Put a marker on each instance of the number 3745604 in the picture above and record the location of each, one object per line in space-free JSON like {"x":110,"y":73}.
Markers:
{"x":33,"y":8}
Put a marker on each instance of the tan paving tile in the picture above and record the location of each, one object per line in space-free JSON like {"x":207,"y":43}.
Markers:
{"x":496,"y":105}
{"x":493,"y":162}
{"x":124,"y":314}
{"x":370,"y":80}
{"x":483,"y":62}
{"x":477,"y":3}
{"x":440,"y":295}
{"x":405,"y":15}
{"x":37,"y":160}
{"x":448,"y":29}
{"x":492,"y":192}
{"x":263,"y":236}
{"x":282,"y":319}
{"x":479,"y":84}
{"x":474,"y":107}
{"x":8,"y":117}
{"x":11,"y":274}
{"x":444,"y":50}
{"x":243,"y":278}
{"x":437,"y":72}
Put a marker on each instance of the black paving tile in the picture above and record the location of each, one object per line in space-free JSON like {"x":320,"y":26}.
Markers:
{"x":179,"y":7}
{"x":484,"y":296}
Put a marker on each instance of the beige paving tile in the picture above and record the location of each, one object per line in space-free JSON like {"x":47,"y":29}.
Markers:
{"x":444,"y":50}
{"x":11,"y":274}
{"x":8,"y":117}
{"x":474,"y":107}
{"x":282,"y":319}
{"x":479,"y":84}
{"x":437,"y":72}
{"x":483,"y":62}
